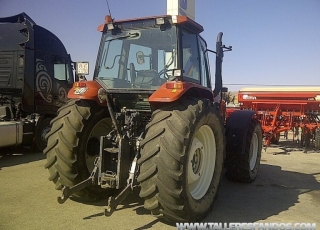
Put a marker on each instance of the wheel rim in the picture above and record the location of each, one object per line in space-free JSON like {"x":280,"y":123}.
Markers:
{"x":254,"y":151}
{"x":44,"y":132}
{"x":103,"y":127}
{"x":201,"y":162}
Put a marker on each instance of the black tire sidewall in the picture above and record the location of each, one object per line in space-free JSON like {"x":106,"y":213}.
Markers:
{"x":83,"y":137}
{"x":41,"y":125}
{"x":202,"y":206}
{"x":254,"y":172}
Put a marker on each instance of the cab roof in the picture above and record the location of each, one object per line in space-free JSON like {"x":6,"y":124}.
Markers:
{"x":184,"y":21}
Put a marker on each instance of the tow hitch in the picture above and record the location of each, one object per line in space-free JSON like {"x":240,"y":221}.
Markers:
{"x":107,"y":179}
{"x":113,"y":202}
{"x":67,"y":191}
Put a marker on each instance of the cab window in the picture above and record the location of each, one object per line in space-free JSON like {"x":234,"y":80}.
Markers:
{"x":191,"y":60}
{"x":62,"y":72}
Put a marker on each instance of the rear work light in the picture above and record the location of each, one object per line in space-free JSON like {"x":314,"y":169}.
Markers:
{"x":177,"y":73}
{"x":159,"y":21}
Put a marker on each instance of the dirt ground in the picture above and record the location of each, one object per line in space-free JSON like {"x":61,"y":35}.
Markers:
{"x":287,"y":190}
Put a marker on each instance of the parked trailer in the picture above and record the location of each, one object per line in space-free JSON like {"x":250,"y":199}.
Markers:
{"x":35,"y":76}
{"x":285,"y":109}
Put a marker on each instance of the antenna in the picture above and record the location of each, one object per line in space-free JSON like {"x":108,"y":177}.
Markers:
{"x":109,"y":10}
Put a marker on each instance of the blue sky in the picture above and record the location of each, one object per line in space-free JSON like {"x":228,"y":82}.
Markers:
{"x":275,"y":42}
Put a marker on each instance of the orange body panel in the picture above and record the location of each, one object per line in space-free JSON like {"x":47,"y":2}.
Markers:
{"x":165,"y":94}
{"x":88,"y":92}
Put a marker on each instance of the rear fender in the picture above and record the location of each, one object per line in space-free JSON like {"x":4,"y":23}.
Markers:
{"x":174,"y":90}
{"x":237,"y":126}
{"x":87,"y":90}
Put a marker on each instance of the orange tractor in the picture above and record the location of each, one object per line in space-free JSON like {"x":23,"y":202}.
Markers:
{"x":151,"y":119}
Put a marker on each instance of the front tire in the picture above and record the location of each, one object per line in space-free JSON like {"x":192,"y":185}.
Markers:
{"x":74,"y":143}
{"x":181,"y":160}
{"x":244,"y":167}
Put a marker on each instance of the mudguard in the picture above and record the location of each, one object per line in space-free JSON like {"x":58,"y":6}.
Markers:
{"x":174,"y":90}
{"x":87,"y":90}
{"x":237,"y":126}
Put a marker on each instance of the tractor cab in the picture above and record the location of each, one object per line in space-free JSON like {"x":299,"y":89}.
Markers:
{"x":143,"y":54}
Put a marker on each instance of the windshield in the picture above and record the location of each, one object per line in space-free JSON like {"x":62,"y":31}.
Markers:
{"x":139,"y":59}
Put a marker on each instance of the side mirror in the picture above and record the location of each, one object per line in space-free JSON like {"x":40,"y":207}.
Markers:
{"x":140,"y":57}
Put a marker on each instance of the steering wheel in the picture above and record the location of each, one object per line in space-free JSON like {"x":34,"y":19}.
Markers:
{"x":147,"y":78}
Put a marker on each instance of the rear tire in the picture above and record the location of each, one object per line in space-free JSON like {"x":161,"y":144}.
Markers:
{"x":244,"y":167}
{"x":181,"y":160}
{"x":74,"y":143}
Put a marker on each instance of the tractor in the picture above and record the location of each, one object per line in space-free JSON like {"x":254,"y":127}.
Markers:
{"x":152,"y":120}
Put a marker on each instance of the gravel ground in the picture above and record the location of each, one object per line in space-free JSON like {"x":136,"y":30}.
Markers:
{"x":287,"y":190}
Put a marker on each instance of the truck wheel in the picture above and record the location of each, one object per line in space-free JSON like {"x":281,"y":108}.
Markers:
{"x":181,"y":160}
{"x":244,"y":167}
{"x":42,"y":129}
{"x":74,"y":143}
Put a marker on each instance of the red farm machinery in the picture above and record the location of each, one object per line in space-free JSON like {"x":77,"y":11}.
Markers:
{"x":284,"y":109}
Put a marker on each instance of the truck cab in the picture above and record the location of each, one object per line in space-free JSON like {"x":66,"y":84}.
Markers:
{"x":35,"y":76}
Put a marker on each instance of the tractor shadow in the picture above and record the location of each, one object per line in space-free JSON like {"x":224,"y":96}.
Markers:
{"x":132,"y":201}
{"x":273,"y":192}
{"x":18,"y":155}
